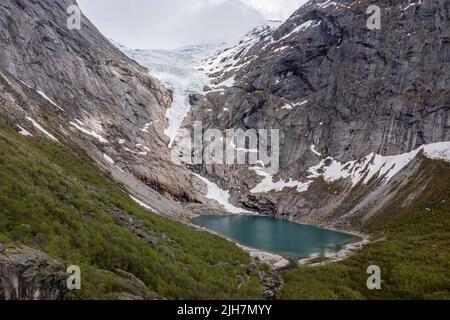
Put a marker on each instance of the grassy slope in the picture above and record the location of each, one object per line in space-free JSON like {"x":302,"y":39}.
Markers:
{"x":414,"y":260}
{"x":47,"y":189}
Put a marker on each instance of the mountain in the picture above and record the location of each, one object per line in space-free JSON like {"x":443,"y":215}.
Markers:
{"x":85,"y":166}
{"x":364,"y":139}
{"x":354,"y":107}
{"x":58,"y":208}
{"x":90,"y":172}
{"x":176,"y":69}
{"x":79,"y":88}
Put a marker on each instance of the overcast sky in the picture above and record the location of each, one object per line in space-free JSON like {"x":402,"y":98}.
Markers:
{"x":176,"y":23}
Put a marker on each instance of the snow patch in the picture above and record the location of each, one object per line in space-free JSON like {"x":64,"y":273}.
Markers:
{"x":120,"y":169}
{"x":89,"y":132}
{"x":313,"y":149}
{"x":237,"y":56}
{"x":80,"y":122}
{"x":5,"y":78}
{"x":410,"y":4}
{"x":108,"y":158}
{"x":360,"y":171}
{"x":335,"y":4}
{"x":305,"y":25}
{"x":139,"y":153}
{"x":292,"y":106}
{"x":375,"y":165}
{"x":142,"y":204}
{"x":268,"y":185}
{"x":300,"y":103}
{"x":229,"y":83}
{"x":26,"y":84}
{"x":48,"y":99}
{"x":219,"y":195}
{"x":24,"y":132}
{"x":437,"y":151}
{"x":281,"y":49}
{"x":40,"y":128}
{"x":286,"y":107}
{"x":146,"y":127}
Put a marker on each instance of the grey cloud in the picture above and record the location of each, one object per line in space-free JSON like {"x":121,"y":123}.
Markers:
{"x":171,"y":23}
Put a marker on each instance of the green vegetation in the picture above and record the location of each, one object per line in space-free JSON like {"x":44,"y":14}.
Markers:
{"x":413,"y":252}
{"x":56,"y":200}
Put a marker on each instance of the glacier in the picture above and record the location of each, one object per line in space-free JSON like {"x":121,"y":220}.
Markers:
{"x":179,"y":70}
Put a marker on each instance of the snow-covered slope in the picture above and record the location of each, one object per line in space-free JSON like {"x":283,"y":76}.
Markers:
{"x":332,"y":87}
{"x":177,"y":70}
{"x":220,"y":66}
{"x":375,"y":165}
{"x":221,"y":196}
{"x":180,"y":71}
{"x":363,"y":170}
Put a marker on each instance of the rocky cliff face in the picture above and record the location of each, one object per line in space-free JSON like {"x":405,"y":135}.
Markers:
{"x":353,"y":106}
{"x":335,"y":89}
{"x":27,"y":274}
{"x":75,"y":87}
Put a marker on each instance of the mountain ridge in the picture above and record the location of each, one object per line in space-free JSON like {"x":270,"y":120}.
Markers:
{"x":335,"y":89}
{"x":75,"y":86}
{"x":88,"y":177}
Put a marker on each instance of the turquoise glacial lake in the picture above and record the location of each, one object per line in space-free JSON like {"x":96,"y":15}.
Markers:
{"x":277,"y":235}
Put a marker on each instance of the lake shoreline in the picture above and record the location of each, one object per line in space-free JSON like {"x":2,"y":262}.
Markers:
{"x":339,"y":255}
{"x":278,"y":261}
{"x":275,"y":261}
{"x":336,"y":256}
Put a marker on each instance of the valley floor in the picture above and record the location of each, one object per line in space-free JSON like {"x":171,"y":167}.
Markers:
{"x":57,"y":201}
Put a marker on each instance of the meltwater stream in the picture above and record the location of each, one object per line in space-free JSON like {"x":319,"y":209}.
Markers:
{"x":277,"y":235}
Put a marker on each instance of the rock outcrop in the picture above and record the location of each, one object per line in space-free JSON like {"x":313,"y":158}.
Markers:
{"x":28,"y":274}
{"x":335,"y":89}
{"x":75,"y":87}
